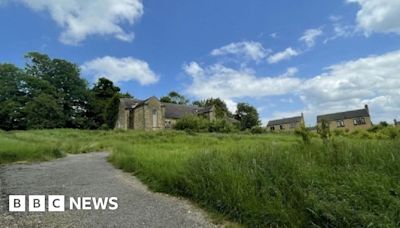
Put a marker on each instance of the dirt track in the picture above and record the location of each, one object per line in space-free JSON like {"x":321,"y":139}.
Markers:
{"x":91,"y":175}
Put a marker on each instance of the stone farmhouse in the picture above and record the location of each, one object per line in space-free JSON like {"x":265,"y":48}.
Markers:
{"x":349,"y":120}
{"x":286,"y":124}
{"x":151,"y":114}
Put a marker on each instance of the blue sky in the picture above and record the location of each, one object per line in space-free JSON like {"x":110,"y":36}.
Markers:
{"x":284,"y":57}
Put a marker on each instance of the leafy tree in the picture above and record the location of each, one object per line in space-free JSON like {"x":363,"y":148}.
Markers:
{"x":112,"y":111}
{"x":247,"y":115}
{"x":174,"y":98}
{"x":65,"y":77}
{"x":102,"y":94}
{"x":221,"y":110}
{"x":44,"y":112}
{"x":12,"y":99}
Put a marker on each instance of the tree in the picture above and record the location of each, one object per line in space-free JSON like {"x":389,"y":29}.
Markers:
{"x":102,"y":94}
{"x":12,"y":99}
{"x":112,"y":111}
{"x":247,"y":115}
{"x":65,"y":77}
{"x":221,"y":110}
{"x":44,"y":112}
{"x":174,"y":98}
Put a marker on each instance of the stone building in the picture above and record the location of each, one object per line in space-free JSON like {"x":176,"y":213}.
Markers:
{"x":286,"y":124}
{"x":396,"y":123}
{"x":350,"y":120}
{"x":151,"y":114}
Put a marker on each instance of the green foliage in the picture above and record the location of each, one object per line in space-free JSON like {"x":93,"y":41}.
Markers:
{"x":174,"y":98}
{"x":324,"y":131}
{"x":221,"y":110}
{"x":221,"y":126}
{"x":65,"y":77}
{"x":199,"y":124}
{"x":247,"y":115}
{"x":112,"y":111}
{"x":193,"y":123}
{"x":49,"y":93}
{"x":103,"y":94}
{"x":44,"y":112}
{"x":304,"y":133}
{"x":257,"y":130}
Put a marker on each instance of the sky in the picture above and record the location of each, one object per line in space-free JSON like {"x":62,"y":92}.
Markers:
{"x":283,"y":57}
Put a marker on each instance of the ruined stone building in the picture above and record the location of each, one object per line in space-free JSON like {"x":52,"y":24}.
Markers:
{"x":151,"y":114}
{"x":285,"y":124}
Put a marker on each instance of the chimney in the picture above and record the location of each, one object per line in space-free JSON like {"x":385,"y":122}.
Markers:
{"x":395,"y":122}
{"x":366,"y":108}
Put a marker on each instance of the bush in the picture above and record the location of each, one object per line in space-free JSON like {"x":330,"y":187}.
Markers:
{"x":193,"y":123}
{"x":257,"y":130}
{"x":222,"y":126}
{"x":304,"y":133}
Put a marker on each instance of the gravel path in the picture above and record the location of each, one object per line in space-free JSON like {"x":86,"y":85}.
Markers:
{"x":91,"y":175}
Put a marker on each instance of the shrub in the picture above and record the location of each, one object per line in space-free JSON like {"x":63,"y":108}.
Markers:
{"x":304,"y":133}
{"x":257,"y":130}
{"x":193,"y":123}
{"x":222,"y":126}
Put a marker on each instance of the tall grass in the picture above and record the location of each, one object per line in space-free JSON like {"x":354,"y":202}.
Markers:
{"x":256,"y":180}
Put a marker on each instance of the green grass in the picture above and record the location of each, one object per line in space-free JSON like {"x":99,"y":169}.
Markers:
{"x":255,"y":180}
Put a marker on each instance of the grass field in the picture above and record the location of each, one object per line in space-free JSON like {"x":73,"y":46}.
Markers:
{"x":255,"y":180}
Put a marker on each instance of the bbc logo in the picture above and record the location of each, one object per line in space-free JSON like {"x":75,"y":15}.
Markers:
{"x":36,"y":203}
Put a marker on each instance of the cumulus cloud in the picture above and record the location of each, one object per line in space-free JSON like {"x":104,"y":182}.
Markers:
{"x":378,"y":15}
{"x":372,"y":80}
{"x":310,"y":36}
{"x":80,"y":19}
{"x":288,"y":53}
{"x":120,"y":70}
{"x":227,"y":83}
{"x":248,"y":49}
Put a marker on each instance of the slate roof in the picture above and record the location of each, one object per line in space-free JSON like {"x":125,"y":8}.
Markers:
{"x":295,"y":119}
{"x":128,"y":102}
{"x":176,"y":111}
{"x":344,"y":115}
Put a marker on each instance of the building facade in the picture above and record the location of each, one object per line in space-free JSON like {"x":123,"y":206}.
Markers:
{"x":151,"y":114}
{"x":349,"y":120}
{"x":285,"y":124}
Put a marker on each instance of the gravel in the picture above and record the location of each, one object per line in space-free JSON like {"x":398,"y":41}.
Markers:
{"x":91,"y":175}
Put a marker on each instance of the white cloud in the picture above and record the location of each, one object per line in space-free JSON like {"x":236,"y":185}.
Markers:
{"x":120,"y":70}
{"x":227,"y":83}
{"x":378,"y":16}
{"x":248,"y":49}
{"x":373,"y":80}
{"x":288,"y":53}
{"x":80,"y":19}
{"x":274,"y":35}
{"x":310,"y":36}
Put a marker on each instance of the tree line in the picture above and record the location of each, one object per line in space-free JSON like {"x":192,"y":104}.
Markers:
{"x":49,"y":93}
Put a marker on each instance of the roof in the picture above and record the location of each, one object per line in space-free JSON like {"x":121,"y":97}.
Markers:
{"x":129,"y":102}
{"x":344,"y":115}
{"x":176,"y":111}
{"x":294,"y":119}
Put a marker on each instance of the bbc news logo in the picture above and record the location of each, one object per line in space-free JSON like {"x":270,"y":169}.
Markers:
{"x":57,"y":203}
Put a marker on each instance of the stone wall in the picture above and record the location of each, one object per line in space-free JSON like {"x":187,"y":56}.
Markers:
{"x":349,"y":125}
{"x":122,"y":120}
